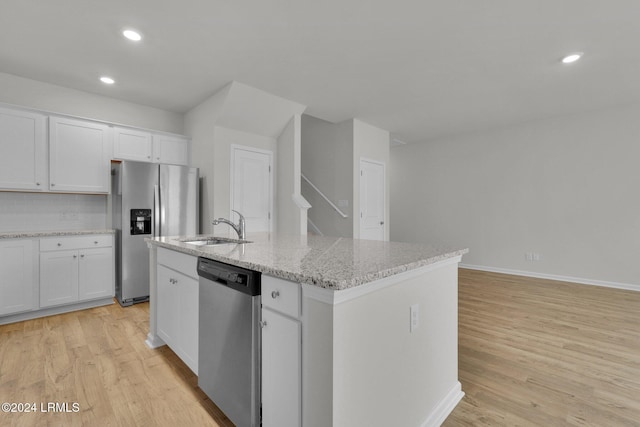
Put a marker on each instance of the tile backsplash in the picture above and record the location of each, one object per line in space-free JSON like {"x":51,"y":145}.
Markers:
{"x":51,"y":212}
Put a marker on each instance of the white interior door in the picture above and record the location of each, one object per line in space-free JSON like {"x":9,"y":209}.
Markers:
{"x":252,"y":187}
{"x":372,"y":186}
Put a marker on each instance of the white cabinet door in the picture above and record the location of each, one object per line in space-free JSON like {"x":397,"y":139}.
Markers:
{"x":23,"y":150}
{"x":170,"y":150}
{"x":58,"y":278}
{"x":79,"y":157}
{"x":95,"y":274}
{"x":132,"y":144}
{"x":177,"y":312}
{"x":168,"y":308}
{"x":16,"y":276}
{"x":281,"y":370}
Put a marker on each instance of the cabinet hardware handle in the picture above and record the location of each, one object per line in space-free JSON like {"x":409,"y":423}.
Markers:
{"x":95,"y":243}
{"x":148,"y":157}
{"x":275,"y":294}
{"x":52,"y":184}
{"x":59,"y":244}
{"x":82,"y":256}
{"x":263,"y":323}
{"x":37,"y":183}
{"x":75,"y":256}
{"x":381,"y":222}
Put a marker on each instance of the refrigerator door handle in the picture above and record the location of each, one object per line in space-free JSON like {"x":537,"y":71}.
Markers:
{"x":157,"y":231}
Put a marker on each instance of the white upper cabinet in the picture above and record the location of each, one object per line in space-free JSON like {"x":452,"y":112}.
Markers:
{"x":170,"y":149}
{"x":23,"y":151}
{"x":141,"y":146}
{"x":132,"y":144}
{"x":78,"y":156}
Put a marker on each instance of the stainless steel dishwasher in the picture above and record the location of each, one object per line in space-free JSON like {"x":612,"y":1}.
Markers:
{"x":229,"y":340}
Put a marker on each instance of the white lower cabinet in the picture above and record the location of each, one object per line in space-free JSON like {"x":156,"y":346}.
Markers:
{"x":59,"y":273}
{"x":281,"y":353}
{"x":74,"y":269}
{"x":177,"y":309}
{"x":17,"y":281}
{"x":95,"y":274}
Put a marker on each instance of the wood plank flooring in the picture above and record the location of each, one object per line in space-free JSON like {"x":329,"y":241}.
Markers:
{"x":531,"y":353}
{"x":98,"y":359}
{"x":542,"y":353}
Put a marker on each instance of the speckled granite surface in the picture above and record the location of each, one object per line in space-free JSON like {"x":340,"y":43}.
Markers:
{"x":328,"y":262}
{"x":37,"y":234}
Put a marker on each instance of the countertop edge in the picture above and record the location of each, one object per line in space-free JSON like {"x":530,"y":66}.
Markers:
{"x":37,"y":234}
{"x":336,"y":285}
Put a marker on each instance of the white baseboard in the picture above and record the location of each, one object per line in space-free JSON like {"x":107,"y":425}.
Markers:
{"x":154,"y":341}
{"x":445,"y":407}
{"x":35,"y":314}
{"x":579,"y":280}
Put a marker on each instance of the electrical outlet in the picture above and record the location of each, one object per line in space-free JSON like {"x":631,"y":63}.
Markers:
{"x":532,"y":256}
{"x":414,"y":315}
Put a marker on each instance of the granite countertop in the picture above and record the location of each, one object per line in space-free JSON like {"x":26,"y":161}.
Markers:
{"x":329,"y":262}
{"x":37,"y":234}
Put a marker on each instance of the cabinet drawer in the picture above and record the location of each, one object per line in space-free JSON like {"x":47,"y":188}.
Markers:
{"x":281,"y":295}
{"x":185,"y":264}
{"x":76,"y":242}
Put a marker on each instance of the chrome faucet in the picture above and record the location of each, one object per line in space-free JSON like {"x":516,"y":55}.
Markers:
{"x":239,"y":228}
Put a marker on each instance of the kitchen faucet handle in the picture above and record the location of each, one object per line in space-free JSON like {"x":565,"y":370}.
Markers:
{"x":239,"y":214}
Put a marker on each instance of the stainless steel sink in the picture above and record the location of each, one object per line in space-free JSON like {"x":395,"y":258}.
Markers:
{"x":212,"y":241}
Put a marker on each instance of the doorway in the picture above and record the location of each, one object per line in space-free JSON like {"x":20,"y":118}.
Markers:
{"x":372,"y":200}
{"x":252,"y":187}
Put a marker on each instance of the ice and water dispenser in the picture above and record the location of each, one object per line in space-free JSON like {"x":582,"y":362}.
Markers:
{"x":140,"y":221}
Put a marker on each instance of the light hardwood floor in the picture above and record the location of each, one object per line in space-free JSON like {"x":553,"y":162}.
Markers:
{"x":542,"y":353}
{"x":531,"y":353}
{"x":98,"y":359}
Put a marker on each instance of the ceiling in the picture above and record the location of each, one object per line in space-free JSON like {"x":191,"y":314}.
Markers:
{"x":420,"y":69}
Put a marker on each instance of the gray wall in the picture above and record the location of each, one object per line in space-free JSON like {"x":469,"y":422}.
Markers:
{"x":327,"y":160}
{"x":566,"y":189}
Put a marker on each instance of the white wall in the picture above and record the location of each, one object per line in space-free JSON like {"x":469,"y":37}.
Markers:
{"x":57,"y":99}
{"x":200,"y":125}
{"x":565,"y":188}
{"x":327,"y":160}
{"x":291,"y":216}
{"x":51,"y":212}
{"x":208,"y":125}
{"x":369,"y":142}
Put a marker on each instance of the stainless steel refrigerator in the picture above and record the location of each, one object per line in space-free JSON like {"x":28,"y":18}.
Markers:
{"x":148,"y":200}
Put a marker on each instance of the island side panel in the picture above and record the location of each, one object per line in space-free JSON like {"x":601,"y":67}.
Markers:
{"x":153,"y":340}
{"x":317,"y":362}
{"x":383,"y":373}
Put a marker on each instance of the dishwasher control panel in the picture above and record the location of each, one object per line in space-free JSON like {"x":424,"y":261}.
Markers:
{"x":238,"y":278}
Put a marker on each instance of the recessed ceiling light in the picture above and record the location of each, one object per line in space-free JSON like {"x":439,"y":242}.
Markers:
{"x":107,"y":80}
{"x":572,"y":57}
{"x":132,"y":35}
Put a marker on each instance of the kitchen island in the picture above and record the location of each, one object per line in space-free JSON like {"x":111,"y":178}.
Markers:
{"x":363,"y":333}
